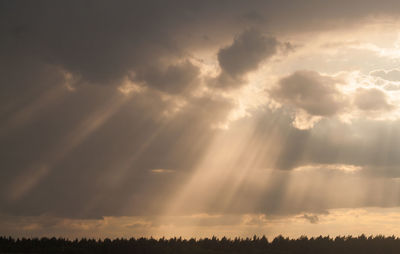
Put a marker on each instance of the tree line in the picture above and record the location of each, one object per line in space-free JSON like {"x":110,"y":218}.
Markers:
{"x":282,"y":245}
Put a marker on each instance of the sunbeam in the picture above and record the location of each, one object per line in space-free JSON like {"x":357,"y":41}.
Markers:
{"x":32,"y":176}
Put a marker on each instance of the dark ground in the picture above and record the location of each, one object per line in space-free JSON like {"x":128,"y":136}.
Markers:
{"x":280,"y":244}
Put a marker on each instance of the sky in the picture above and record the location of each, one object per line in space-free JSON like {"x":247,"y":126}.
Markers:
{"x":199,"y":118}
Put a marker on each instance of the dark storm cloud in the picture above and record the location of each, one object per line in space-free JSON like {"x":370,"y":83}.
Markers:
{"x":311,"y":92}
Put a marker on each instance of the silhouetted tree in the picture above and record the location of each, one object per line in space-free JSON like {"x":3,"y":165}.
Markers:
{"x":302,"y":245}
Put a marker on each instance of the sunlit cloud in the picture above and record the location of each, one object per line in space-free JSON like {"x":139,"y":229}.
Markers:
{"x":340,"y":167}
{"x":162,"y":171}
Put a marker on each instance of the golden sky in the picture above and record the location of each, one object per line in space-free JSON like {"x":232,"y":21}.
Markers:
{"x":199,"y":118}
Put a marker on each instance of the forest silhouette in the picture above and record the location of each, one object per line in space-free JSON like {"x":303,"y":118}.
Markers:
{"x":280,"y":244}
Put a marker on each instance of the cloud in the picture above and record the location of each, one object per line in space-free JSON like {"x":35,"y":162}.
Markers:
{"x":175,"y":78}
{"x":390,"y":75}
{"x":313,"y":219}
{"x":391,"y":87}
{"x":244,"y":55}
{"x":332,"y":143}
{"x":309,"y":91}
{"x":372,"y":99}
{"x":348,"y":96}
{"x":120,"y":39}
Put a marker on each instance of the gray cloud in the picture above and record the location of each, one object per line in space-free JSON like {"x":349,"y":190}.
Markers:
{"x":102,"y":42}
{"x":391,"y":87}
{"x":391,"y":75}
{"x":313,"y":219}
{"x":245,"y":54}
{"x":332,"y":142}
{"x":175,"y":78}
{"x":372,"y":99}
{"x":311,"y":92}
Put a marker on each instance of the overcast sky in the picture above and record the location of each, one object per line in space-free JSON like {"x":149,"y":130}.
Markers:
{"x":199,"y":118}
